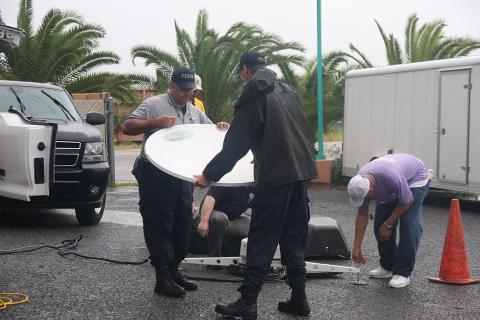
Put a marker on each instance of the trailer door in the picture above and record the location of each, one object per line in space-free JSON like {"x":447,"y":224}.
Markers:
{"x":454,"y":126}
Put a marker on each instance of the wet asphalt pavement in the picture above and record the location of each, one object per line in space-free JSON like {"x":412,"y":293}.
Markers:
{"x":75,"y":288}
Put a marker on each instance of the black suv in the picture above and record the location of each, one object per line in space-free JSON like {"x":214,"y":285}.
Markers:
{"x":80,"y":169}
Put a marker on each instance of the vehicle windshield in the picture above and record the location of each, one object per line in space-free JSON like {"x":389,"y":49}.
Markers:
{"x":40,"y":103}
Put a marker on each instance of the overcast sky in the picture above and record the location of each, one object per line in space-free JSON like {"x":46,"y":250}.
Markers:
{"x":129,"y":23}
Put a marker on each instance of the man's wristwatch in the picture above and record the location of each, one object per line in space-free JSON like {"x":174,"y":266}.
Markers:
{"x":388,"y":226}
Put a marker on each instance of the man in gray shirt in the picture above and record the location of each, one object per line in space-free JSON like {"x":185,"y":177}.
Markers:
{"x":166,"y":201}
{"x":398,"y":183}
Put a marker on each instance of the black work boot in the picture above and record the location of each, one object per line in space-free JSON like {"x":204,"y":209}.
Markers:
{"x":165,"y":284}
{"x":297,"y":304}
{"x":239,"y":309}
{"x":180,"y":279}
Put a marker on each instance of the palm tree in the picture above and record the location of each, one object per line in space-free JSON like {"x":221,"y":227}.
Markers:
{"x":215,"y":57}
{"x":335,"y":65}
{"x":62,"y":51}
{"x":421,"y":44}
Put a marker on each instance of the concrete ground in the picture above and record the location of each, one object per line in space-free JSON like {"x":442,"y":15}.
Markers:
{"x":75,"y":288}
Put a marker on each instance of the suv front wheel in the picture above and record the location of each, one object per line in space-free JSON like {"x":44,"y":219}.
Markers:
{"x":89,"y":216}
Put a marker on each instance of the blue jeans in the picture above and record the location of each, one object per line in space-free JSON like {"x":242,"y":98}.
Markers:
{"x":400,"y":259}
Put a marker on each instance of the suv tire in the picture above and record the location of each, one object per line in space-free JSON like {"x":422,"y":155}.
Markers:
{"x":89,"y":216}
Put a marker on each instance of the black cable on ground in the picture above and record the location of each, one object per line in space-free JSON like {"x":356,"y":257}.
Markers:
{"x":66,"y":246}
{"x":214,"y":279}
{"x":65,"y":253}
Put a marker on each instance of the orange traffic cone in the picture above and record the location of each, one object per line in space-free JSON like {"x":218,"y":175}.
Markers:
{"x":454,"y":266}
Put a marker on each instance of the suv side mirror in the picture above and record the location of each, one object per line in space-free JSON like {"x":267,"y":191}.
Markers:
{"x":95,"y":118}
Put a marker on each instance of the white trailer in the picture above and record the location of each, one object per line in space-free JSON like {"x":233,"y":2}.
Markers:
{"x":428,"y":109}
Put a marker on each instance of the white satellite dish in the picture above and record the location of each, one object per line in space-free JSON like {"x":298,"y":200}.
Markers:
{"x":184,"y":150}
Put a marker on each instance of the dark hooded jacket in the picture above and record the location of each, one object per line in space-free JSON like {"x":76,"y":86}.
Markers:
{"x":269,"y":120}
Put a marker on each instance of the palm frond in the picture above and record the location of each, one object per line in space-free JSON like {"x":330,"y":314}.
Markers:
{"x":332,"y":60}
{"x":202,"y":25}
{"x":154,"y":56}
{"x":410,"y":34}
{"x":431,"y":36}
{"x":25,"y":17}
{"x":362,"y":60}
{"x":89,"y":63}
{"x":394,"y":53}
{"x":288,"y":74}
{"x":118,"y":85}
{"x":463,"y":47}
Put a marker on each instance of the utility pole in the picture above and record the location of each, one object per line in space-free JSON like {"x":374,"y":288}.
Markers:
{"x":320,"y":154}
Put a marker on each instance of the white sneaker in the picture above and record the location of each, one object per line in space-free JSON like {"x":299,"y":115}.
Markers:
{"x":399,"y":281}
{"x":380,"y":273}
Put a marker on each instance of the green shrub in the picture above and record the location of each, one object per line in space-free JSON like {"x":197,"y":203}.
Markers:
{"x":337,"y":177}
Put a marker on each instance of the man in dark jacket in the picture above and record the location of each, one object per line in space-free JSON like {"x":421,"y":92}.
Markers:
{"x":269,"y":120}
